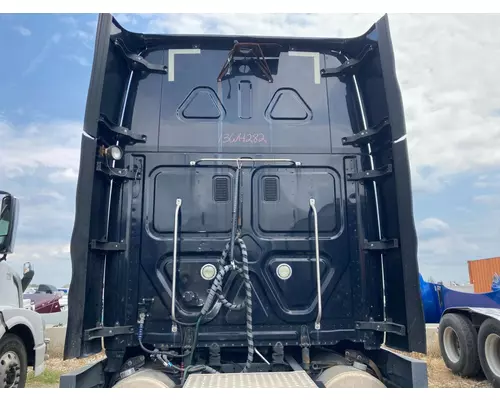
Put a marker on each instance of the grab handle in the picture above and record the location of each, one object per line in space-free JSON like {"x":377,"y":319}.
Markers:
{"x":312,"y":204}
{"x":178,"y":204}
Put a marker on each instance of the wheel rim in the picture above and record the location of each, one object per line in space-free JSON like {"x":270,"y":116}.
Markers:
{"x":451,"y":344}
{"x":492,"y":352}
{"x":10,"y":370}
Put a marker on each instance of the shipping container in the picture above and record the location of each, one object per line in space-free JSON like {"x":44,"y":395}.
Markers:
{"x":481,"y":273}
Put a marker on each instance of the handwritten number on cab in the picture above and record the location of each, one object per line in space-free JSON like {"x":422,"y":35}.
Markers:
{"x":245,"y":138}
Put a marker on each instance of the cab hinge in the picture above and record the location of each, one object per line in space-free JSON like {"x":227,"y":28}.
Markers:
{"x":138,"y":63}
{"x":366,"y":136}
{"x":372,"y":174}
{"x":349,"y":67}
{"x":116,"y":173}
{"x":120,"y":133}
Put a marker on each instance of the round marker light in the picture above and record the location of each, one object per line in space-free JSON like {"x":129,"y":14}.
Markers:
{"x":208,"y":272}
{"x":114,"y":152}
{"x":284,"y":271}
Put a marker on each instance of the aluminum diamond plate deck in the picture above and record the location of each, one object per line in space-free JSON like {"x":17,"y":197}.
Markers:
{"x":294,"y":379}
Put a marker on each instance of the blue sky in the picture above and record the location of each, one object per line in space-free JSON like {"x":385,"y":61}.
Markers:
{"x":450,"y":94}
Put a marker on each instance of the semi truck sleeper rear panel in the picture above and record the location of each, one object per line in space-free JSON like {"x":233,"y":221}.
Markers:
{"x":243,"y":193}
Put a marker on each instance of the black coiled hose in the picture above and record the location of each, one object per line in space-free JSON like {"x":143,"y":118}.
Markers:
{"x":216,"y":290}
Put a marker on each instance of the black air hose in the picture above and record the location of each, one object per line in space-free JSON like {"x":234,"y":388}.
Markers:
{"x":216,"y":290}
{"x":224,"y":267}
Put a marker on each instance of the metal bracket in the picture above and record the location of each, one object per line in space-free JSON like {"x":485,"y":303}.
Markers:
{"x":115,"y":173}
{"x":384,"y":244}
{"x":107,"y":331}
{"x":189,"y":338}
{"x":371,"y":174}
{"x":138,"y":63}
{"x":305,"y":339}
{"x":247,"y":51}
{"x":107,"y":246}
{"x":349,"y":67}
{"x":121,"y":133}
{"x":365,"y":136}
{"x":382,"y":326}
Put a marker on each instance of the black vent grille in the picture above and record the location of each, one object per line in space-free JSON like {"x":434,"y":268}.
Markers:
{"x":271,"y":188}
{"x":221,"y":188}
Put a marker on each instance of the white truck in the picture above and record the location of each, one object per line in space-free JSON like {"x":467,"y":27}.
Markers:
{"x":22,"y":339}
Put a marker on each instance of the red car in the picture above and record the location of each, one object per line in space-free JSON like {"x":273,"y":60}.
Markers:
{"x":46,"y":299}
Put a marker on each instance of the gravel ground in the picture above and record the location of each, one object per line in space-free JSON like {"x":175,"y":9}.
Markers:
{"x":441,"y":377}
{"x":56,"y":367}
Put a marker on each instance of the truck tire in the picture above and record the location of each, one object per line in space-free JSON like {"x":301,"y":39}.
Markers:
{"x":13,"y":362}
{"x":488,"y":343}
{"x":458,"y":344}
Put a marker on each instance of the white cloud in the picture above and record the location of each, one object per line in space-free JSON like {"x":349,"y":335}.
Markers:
{"x":65,"y":175}
{"x":27,"y":147}
{"x":51,"y":261}
{"x":446,"y":245}
{"x":438,"y":239}
{"x":39,"y":164}
{"x":22,"y":30}
{"x":84,"y":34}
{"x":305,"y":25}
{"x":52,"y":194}
{"x":434,"y":224}
{"x":86,"y":38}
{"x":443,"y":250}
{"x":126,"y":19}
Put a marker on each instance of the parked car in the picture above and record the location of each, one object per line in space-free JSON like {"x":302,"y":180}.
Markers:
{"x":45,"y":302}
{"x":46,"y":299}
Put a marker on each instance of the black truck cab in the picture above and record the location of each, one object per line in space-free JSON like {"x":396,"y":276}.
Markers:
{"x":244,"y":205}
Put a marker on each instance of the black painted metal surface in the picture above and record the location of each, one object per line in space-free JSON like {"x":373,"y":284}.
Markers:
{"x":175,"y":100}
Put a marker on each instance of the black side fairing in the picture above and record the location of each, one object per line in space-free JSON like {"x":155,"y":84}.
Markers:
{"x":158,"y":96}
